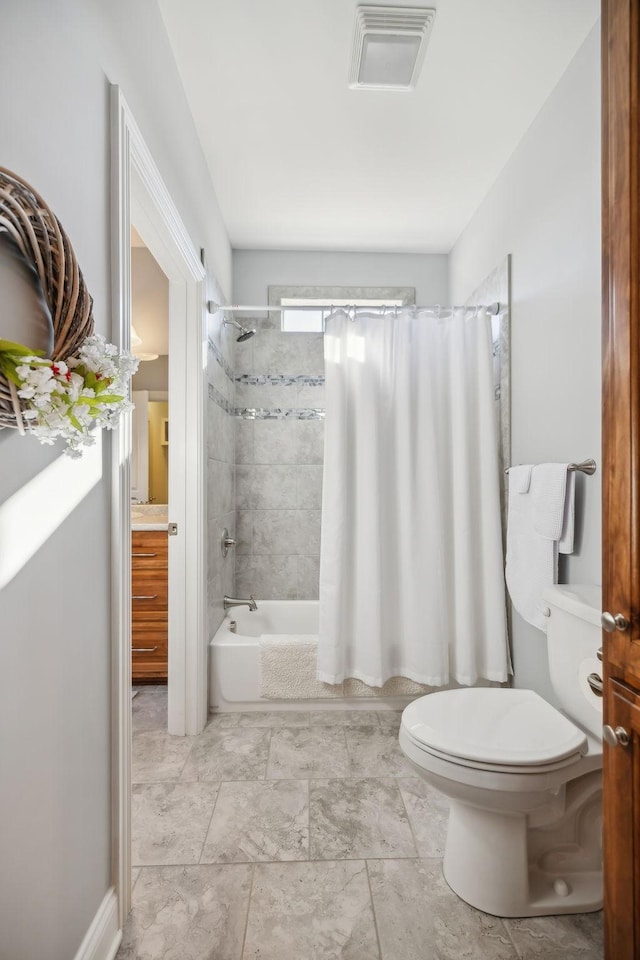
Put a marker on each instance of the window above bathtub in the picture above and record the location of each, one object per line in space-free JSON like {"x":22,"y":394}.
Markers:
{"x":307,"y":308}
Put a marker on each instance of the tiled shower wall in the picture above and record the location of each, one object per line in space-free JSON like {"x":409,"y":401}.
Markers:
{"x":279,"y":380}
{"x":221,"y":426}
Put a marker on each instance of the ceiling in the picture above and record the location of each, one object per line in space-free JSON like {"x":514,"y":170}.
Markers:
{"x":300,"y":161}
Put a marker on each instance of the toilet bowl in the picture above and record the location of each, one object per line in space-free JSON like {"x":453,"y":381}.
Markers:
{"x":523,"y":778}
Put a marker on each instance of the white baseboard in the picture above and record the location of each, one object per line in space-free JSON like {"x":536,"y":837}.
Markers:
{"x":103,"y":937}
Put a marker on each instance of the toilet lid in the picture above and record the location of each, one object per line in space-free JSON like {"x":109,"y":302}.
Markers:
{"x":493,"y":725}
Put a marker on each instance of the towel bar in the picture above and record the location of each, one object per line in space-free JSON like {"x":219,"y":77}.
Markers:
{"x":587,"y":466}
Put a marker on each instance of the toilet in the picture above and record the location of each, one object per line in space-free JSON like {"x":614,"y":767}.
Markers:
{"x":524,"y":778}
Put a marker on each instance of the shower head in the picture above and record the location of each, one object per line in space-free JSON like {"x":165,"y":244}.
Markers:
{"x":244,"y":333}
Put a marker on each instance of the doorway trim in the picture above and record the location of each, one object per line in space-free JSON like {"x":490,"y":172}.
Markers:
{"x":139,"y":195}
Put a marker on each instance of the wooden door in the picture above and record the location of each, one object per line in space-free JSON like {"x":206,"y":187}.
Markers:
{"x":621,"y":469}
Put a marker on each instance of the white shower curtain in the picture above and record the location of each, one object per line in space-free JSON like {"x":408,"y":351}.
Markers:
{"x":411,"y":569}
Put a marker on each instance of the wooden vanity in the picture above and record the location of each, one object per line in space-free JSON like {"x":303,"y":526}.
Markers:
{"x":149,"y":605}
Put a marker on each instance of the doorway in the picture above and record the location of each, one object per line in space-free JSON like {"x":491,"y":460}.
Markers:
{"x":150,"y":456}
{"x":140,"y":199}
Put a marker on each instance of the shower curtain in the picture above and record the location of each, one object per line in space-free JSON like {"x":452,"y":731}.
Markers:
{"x":411,"y":568}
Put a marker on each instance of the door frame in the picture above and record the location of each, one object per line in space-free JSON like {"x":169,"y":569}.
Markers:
{"x":139,"y":195}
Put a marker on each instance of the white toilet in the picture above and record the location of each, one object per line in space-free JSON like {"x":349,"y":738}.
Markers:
{"x":524,"y":779}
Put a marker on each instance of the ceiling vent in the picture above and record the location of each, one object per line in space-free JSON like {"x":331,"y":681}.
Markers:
{"x":389,"y":47}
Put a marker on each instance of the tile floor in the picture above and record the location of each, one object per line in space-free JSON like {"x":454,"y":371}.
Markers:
{"x":303,"y":836}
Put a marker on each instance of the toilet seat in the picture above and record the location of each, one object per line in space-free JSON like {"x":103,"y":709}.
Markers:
{"x":494,"y":729}
{"x":507,"y":768}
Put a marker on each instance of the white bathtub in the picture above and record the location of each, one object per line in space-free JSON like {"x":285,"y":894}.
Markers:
{"x":234,"y":659}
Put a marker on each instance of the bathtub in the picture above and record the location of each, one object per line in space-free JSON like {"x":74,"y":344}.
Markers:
{"x":234,"y":660}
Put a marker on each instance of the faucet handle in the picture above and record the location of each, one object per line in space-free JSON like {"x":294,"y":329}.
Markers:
{"x":226,"y":542}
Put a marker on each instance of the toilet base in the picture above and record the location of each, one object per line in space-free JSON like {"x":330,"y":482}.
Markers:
{"x":499,"y":863}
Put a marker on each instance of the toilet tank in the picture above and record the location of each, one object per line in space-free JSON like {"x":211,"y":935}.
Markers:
{"x":574,"y":636}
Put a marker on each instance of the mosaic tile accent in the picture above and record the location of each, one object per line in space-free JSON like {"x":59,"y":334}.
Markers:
{"x":281,"y":380}
{"x":215,"y":350}
{"x":265,"y":413}
{"x":262,"y":413}
{"x":217,"y":397}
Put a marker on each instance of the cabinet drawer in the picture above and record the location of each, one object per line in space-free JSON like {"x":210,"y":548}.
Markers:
{"x":149,"y":638}
{"x":149,"y":671}
{"x":148,"y":613}
{"x":151,"y":621}
{"x":149,"y":650}
{"x":149,"y":592}
{"x":149,"y":550}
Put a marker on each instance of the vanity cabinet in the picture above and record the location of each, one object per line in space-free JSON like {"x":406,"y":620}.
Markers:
{"x":149,"y":605}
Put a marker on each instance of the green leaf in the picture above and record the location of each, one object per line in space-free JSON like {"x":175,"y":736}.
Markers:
{"x":8,"y":368}
{"x":8,"y":346}
{"x":105,"y":398}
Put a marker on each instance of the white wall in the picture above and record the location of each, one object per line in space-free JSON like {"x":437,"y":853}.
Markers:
{"x":544,"y":210}
{"x":152,"y":375}
{"x":255,"y":270}
{"x":57,"y":58}
{"x":149,"y":302}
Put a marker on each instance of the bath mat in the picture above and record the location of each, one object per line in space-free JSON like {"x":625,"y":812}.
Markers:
{"x":288,"y":672}
{"x":288,"y":668}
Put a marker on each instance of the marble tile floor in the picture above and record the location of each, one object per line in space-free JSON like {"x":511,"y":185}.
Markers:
{"x":303,"y":836}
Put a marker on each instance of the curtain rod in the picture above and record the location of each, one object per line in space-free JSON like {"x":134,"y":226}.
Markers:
{"x":493,"y":309}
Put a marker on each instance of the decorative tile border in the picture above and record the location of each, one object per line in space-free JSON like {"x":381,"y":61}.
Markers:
{"x":217,"y":397}
{"x":262,"y":413}
{"x":279,"y":380}
{"x":215,"y":350}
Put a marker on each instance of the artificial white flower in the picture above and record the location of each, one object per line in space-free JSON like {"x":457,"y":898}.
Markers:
{"x":64,"y":399}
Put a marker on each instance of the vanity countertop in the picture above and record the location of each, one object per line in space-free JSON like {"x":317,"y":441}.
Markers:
{"x":149,"y":516}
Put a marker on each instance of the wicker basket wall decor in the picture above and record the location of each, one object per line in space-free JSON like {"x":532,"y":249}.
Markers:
{"x":38,"y":233}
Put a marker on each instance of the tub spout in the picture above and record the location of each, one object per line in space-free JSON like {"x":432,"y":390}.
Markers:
{"x":232,"y":602}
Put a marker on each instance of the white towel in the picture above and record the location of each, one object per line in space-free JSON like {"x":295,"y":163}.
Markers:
{"x":532,"y":560}
{"x":523,"y":477}
{"x":565,"y":544}
{"x":548,"y":489}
